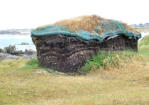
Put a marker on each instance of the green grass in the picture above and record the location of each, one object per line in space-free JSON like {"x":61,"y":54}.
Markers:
{"x":32,"y":64}
{"x":144,"y":44}
{"x":107,"y":60}
{"x":144,"y":41}
{"x":126,"y":85}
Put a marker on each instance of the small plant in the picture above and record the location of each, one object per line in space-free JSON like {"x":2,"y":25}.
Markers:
{"x":32,"y":64}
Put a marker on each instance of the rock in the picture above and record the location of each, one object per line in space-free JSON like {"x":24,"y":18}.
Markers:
{"x":10,"y":52}
{"x":1,"y":50}
{"x":28,"y":56}
{"x":17,"y":53}
{"x":12,"y":56}
{"x":8,"y":56}
{"x":10,"y":49}
{"x":29,"y":52}
{"x":24,"y":43}
{"x":2,"y":56}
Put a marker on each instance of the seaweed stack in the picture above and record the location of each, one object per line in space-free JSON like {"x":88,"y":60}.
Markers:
{"x":66,"y":45}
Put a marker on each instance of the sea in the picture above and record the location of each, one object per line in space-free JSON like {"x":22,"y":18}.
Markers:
{"x":17,"y":40}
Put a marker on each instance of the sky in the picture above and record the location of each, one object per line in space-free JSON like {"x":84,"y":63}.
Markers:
{"x":34,"y":13}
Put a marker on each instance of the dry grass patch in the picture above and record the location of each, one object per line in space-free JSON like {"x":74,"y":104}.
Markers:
{"x":124,"y":86}
{"x":88,"y":23}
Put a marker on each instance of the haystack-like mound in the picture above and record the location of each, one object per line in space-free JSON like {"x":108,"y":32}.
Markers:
{"x":91,"y":24}
{"x":65,"y":45}
{"x":87,"y":28}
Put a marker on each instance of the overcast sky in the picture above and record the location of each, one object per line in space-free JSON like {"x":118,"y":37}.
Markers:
{"x":33,"y":13}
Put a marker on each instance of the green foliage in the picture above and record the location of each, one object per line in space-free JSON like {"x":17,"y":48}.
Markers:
{"x":106,"y":60}
{"x":144,"y":41}
{"x":144,"y":44}
{"x":31,"y":64}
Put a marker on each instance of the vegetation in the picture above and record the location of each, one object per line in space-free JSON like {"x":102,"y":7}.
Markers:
{"x":31,"y":64}
{"x":107,"y":60}
{"x":88,"y":23}
{"x":126,"y":85}
{"x":118,"y":78}
{"x":144,"y":44}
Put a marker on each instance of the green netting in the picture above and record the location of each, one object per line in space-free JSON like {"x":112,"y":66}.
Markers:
{"x":109,"y":29}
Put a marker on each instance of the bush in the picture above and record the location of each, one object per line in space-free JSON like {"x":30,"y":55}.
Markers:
{"x":106,"y":60}
{"x":32,"y":64}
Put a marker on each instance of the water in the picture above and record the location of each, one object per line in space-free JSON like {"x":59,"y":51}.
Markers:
{"x":6,"y":40}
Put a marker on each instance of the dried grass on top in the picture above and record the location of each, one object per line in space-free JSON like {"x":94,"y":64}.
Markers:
{"x":87,"y":23}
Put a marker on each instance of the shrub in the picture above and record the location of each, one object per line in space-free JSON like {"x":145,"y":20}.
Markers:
{"x":32,"y":64}
{"x":106,"y":60}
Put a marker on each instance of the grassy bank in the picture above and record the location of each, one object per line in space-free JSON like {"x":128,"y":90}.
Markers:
{"x":118,"y":78}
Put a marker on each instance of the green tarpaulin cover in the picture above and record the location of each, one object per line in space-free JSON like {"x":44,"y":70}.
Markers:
{"x":109,"y":29}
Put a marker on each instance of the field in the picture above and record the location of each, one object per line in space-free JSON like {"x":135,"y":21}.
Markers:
{"x":122,"y":79}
